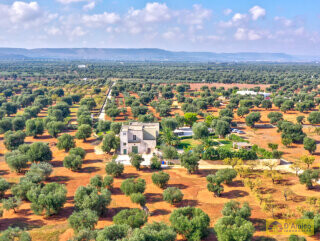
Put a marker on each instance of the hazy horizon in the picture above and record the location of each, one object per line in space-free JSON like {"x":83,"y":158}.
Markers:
{"x":230,"y":26}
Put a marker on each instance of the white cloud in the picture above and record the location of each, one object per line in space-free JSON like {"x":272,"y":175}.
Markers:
{"x":153,"y":12}
{"x":196,"y":16}
{"x":174,"y":33}
{"x":284,"y":21}
{"x":23,"y":12}
{"x":240,"y":34}
{"x":103,"y":19}
{"x":227,"y":11}
{"x":245,"y":34}
{"x":238,"y":17}
{"x":257,"y":12}
{"x":89,"y":6}
{"x":77,"y":32}
{"x":71,"y":1}
{"x":54,"y":31}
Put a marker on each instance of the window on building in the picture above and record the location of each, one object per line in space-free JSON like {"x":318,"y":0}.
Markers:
{"x":124,"y":143}
{"x":134,"y":137}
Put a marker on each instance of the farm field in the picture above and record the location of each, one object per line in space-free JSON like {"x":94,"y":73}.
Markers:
{"x":258,"y":153}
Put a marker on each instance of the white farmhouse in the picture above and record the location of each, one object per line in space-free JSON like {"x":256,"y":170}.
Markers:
{"x":250,"y":92}
{"x":138,"y":137}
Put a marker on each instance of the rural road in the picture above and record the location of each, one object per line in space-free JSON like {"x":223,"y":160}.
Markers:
{"x":102,"y":112}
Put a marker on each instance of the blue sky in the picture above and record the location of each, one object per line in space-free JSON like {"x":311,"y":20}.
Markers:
{"x":290,"y":26}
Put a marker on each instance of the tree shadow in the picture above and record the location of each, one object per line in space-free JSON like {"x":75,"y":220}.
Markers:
{"x":91,"y":161}
{"x":129,"y":175}
{"x":3,"y":172}
{"x":154,"y":197}
{"x":259,"y":224}
{"x":268,"y":190}
{"x":264,"y":238}
{"x":63,"y":214}
{"x":159,"y":212}
{"x":112,"y":212}
{"x":237,"y":183}
{"x":187,"y":202}
{"x":206,"y":172}
{"x":89,"y":169}
{"x":116,"y":191}
{"x":23,"y":223}
{"x":57,"y":163}
{"x":178,"y":185}
{"x":234,"y":194}
{"x":60,"y":179}
{"x":43,"y":137}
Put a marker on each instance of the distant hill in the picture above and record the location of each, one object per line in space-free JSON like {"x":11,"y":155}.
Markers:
{"x":144,"y":54}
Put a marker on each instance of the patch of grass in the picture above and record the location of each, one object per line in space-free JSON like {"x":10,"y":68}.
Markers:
{"x":188,"y":143}
{"x":48,"y":232}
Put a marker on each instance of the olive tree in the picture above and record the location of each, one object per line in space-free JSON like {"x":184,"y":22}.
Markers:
{"x":84,"y":219}
{"x":49,"y":198}
{"x":114,"y":169}
{"x":190,"y":222}
{"x":66,"y":142}
{"x":4,"y":186}
{"x":34,"y":127}
{"x":12,"y":140}
{"x":89,"y":198}
{"x":84,"y":131}
{"x":73,"y":162}
{"x":131,"y":185}
{"x":39,"y":152}
{"x":16,"y":161}
{"x":160,"y":179}
{"x":134,"y":217}
{"x":110,"y":142}
{"x":172,"y":195}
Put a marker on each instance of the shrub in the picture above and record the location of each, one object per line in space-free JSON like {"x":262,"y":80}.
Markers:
{"x":11,"y":203}
{"x":84,"y":131}
{"x":88,"y":198}
{"x":96,"y":181}
{"x":134,"y":217}
{"x":235,"y":218}
{"x":110,"y":142}
{"x":84,"y":219}
{"x":16,"y":161}
{"x":138,"y":198}
{"x":155,"y":163}
{"x":4,"y":186}
{"x":172,"y":195}
{"x":107,"y":182}
{"x":78,"y":151}
{"x":136,"y":160}
{"x":160,"y":179}
{"x":114,"y":169}
{"x":296,"y":238}
{"x":190,"y":161}
{"x":20,"y":189}
{"x":50,"y":198}
{"x":113,"y":232}
{"x":39,"y":152}
{"x":132,"y":185}
{"x":190,"y":222}
{"x":66,"y":142}
{"x":13,"y":234}
{"x":73,"y":162}
{"x":34,"y":127}
{"x":12,"y":140}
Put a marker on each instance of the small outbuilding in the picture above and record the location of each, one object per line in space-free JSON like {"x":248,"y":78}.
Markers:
{"x":242,"y":145}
